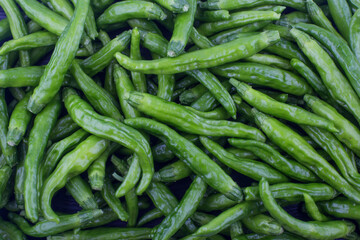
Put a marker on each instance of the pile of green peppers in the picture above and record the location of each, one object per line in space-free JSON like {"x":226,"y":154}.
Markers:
{"x":182,"y":119}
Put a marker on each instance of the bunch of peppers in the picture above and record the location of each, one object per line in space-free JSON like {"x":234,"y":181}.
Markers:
{"x":182,"y":119}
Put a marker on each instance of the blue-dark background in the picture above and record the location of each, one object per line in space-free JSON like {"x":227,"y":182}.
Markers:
{"x":62,"y":202}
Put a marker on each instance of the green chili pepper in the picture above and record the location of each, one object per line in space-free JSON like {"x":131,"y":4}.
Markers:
{"x":162,"y":198}
{"x":109,"y":83}
{"x":90,"y":23}
{"x":46,"y":228}
{"x":293,"y":18}
{"x":123,"y":85}
{"x":20,"y":175}
{"x":270,"y":60}
{"x":182,"y":28}
{"x":143,"y":24}
{"x":341,"y":14}
{"x":215,"y":202}
{"x":34,"y":40}
{"x":99,"y":98}
{"x":334,"y":148}
{"x":72,"y":164}
{"x":64,"y":127}
{"x":187,"y":206}
{"x":156,"y":44}
{"x":100,"y":5}
{"x":281,"y":110}
{"x":280,"y":97}
{"x":217,"y":114}
{"x":313,"y":210}
{"x":8,"y":151}
{"x":334,"y":80}
{"x":283,"y":31}
{"x":131,"y":178}
{"x":207,"y":101}
{"x":199,"y":40}
{"x":192,"y":94}
{"x":56,"y":152}
{"x":17,"y":93}
{"x":314,"y":229}
{"x":172,"y":172}
{"x":5,"y":175}
{"x":39,"y":135}
{"x":108,"y":216}
{"x":81,"y":192}
{"x":132,"y":207}
{"x":83,"y":114}
{"x":108,"y":194}
{"x":341,"y":208}
{"x":176,"y":115}
{"x":284,"y":236}
{"x":294,"y":192}
{"x":99,"y":60}
{"x":341,"y":51}
{"x":121,"y":11}
{"x":49,"y":20}
{"x":298,"y":148}
{"x":192,"y":156}
{"x":312,"y":79}
{"x":166,"y":202}
{"x":268,"y":154}
{"x":150,"y":216}
{"x":263,"y":224}
{"x":166,"y":83}
{"x":109,"y":233}
{"x":17,"y":26}
{"x":18,"y":123}
{"x":5,"y":32}
{"x":60,"y":61}
{"x":232,"y":5}
{"x":242,"y":153}
{"x":318,"y":16}
{"x":348,"y":133}
{"x":176,"y":6}
{"x":21,"y":76}
{"x":204,"y":58}
{"x":229,"y":35}
{"x":289,"y":50}
{"x":237,"y":19}
{"x":211,"y":16}
{"x":138,"y":79}
{"x":96,"y":171}
{"x":10,"y":231}
{"x":266,"y":76}
{"x":162,"y":153}
{"x":254,"y":169}
{"x":354,"y":34}
{"x":228,"y":217}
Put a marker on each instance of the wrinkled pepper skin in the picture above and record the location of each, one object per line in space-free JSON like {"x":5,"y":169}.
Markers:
{"x":185,"y":120}
{"x":84,"y":115}
{"x":314,"y":229}
{"x":294,"y":192}
{"x":285,"y":111}
{"x":197,"y":160}
{"x":60,"y":60}
{"x":45,"y":228}
{"x":122,"y":11}
{"x":268,"y":154}
{"x":298,"y":148}
{"x":38,"y":139}
{"x":204,"y":58}
{"x":71,"y":165}
{"x":260,"y":74}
